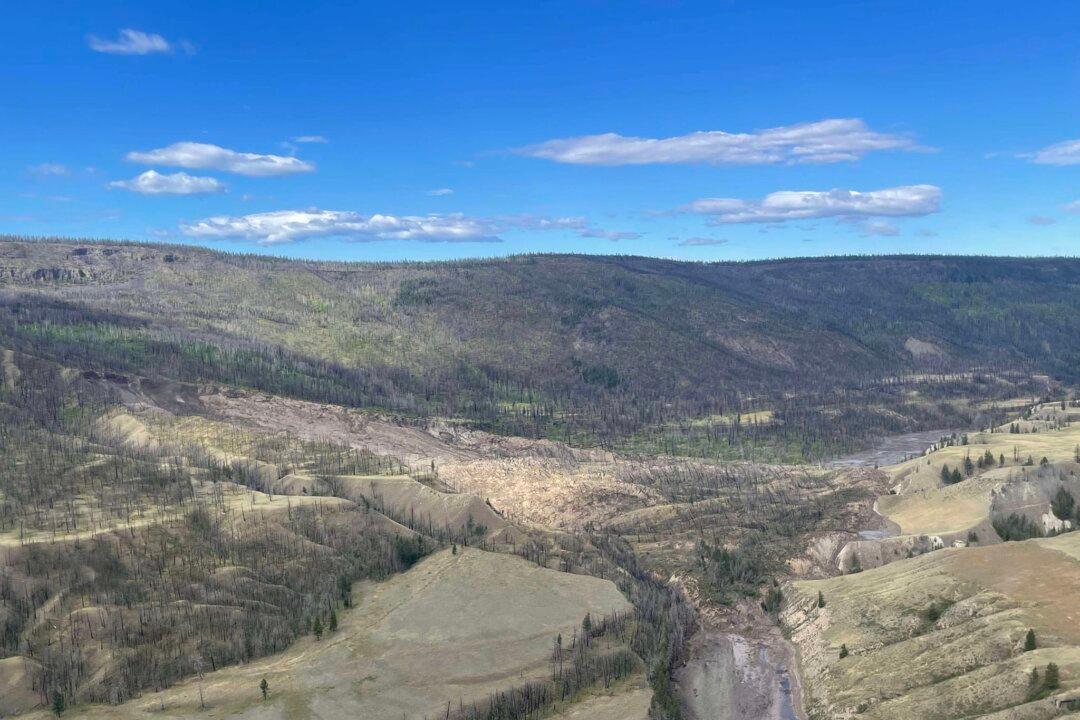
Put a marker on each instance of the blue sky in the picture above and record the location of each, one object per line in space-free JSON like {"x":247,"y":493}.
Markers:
{"x":432,"y":130}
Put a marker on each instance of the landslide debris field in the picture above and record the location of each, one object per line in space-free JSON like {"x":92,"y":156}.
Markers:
{"x":462,"y":491}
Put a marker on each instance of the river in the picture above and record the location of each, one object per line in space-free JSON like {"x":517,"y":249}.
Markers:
{"x":891,"y":449}
{"x":732,"y":677}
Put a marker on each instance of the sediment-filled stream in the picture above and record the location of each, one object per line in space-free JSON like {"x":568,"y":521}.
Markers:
{"x":731,"y":677}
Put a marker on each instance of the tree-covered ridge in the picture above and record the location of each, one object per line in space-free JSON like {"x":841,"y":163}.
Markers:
{"x":584,"y":348}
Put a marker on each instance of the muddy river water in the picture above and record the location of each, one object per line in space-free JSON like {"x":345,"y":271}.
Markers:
{"x":730,"y":677}
{"x":891,"y":450}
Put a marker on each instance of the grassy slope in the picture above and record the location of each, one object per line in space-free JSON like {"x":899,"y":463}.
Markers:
{"x":926,"y":507}
{"x":965,"y":664}
{"x":453,"y":627}
{"x":969,"y":662}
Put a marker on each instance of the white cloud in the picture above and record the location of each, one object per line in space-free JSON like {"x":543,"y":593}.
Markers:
{"x":290,"y":225}
{"x":310,"y":139}
{"x":903,"y":201}
{"x":49,"y":169}
{"x":1062,"y":153}
{"x":203,"y":156}
{"x":613,"y":235}
{"x":702,"y":241}
{"x":131,"y":42}
{"x":815,"y":142}
{"x":1073,"y":207}
{"x":285,"y":226}
{"x":152,"y":182}
{"x":440,"y":192}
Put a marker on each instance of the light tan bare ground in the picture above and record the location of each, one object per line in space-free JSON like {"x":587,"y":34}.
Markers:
{"x":1041,"y":575}
{"x":11,"y":372}
{"x":555,"y":492}
{"x":938,"y":511}
{"x":16,"y":684}
{"x":536,"y":481}
{"x":626,"y":703}
{"x":353,"y":428}
{"x":405,"y":499}
{"x":455,"y":627}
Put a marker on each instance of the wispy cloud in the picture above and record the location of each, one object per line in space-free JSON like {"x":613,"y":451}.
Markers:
{"x":440,"y":192}
{"x":527,"y":221}
{"x":203,"y":156}
{"x":310,"y":139}
{"x":131,"y":42}
{"x":49,"y":170}
{"x":1041,"y":220}
{"x":1062,"y":153}
{"x":613,"y":235}
{"x":879,"y":228}
{"x":825,"y":141}
{"x":903,"y":201}
{"x":702,"y":241}
{"x":1073,"y":207}
{"x":152,"y":182}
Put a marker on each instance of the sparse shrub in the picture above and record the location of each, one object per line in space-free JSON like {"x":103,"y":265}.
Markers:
{"x":843,"y":651}
{"x":933,"y":612}
{"x":774,"y":598}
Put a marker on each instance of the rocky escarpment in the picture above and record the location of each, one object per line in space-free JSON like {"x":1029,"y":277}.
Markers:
{"x":34,"y":264}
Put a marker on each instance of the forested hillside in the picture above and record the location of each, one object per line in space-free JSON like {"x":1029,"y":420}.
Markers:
{"x":634,"y":352}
